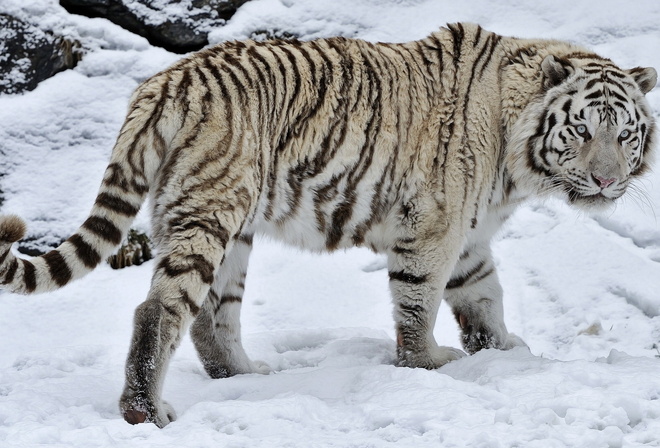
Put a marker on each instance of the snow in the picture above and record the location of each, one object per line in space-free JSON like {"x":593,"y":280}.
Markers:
{"x":157,"y":12}
{"x":583,"y":291}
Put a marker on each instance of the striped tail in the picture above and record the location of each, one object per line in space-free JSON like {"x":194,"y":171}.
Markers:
{"x":135,"y":158}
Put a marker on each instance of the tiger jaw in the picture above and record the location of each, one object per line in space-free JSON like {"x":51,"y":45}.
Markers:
{"x":590,"y":200}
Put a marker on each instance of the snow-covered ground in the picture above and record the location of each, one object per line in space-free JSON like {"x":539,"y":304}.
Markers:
{"x":583,"y":291}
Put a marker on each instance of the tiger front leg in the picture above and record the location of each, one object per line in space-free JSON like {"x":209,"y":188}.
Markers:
{"x":418,"y":269}
{"x":475,"y":296}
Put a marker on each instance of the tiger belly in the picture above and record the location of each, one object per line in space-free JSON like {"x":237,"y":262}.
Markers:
{"x":327,"y":217}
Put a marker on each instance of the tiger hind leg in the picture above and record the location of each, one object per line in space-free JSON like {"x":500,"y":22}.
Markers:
{"x":185,"y":271}
{"x":216,"y":331}
{"x":475,"y":296}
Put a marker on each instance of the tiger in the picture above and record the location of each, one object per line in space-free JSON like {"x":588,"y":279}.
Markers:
{"x":418,"y":150}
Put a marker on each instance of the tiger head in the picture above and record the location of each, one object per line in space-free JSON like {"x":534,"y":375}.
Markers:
{"x":587,"y":135}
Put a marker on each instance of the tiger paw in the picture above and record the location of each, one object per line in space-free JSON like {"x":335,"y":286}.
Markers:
{"x":138,"y":411}
{"x":432,"y":358}
{"x":478,"y":335}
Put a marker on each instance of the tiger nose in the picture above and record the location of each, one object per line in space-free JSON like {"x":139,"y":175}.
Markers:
{"x":603,"y":182}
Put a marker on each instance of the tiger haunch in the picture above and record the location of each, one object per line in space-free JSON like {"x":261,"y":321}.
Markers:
{"x":418,"y":150}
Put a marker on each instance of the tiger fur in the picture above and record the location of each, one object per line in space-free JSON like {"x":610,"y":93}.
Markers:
{"x":418,"y":150}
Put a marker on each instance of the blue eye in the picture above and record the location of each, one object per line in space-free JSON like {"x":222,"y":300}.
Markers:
{"x":624,"y":134}
{"x":581,"y":129}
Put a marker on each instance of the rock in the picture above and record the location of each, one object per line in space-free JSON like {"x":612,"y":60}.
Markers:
{"x":29,"y":55}
{"x":179,"y":26}
{"x":135,"y":250}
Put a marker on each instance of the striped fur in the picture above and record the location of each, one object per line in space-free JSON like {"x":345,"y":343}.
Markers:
{"x":418,"y":150}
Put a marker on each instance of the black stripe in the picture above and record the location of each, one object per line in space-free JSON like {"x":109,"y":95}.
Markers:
{"x":407,"y":277}
{"x":427,"y":63}
{"x":238,"y":65}
{"x":192,"y":306}
{"x":116,"y":204}
{"x":172,"y":311}
{"x":230,"y":298}
{"x":87,"y":254}
{"x":411,"y":310}
{"x":194,"y":262}
{"x":340,"y":216}
{"x":245,"y":238}
{"x":218,"y":232}
{"x":458,"y":33}
{"x":618,"y":95}
{"x":616,"y":74}
{"x":552,"y":122}
{"x":114,"y":176}
{"x":439,"y":48}
{"x":403,"y":251}
{"x":59,"y":270}
{"x":4,"y":255}
{"x":136,"y":152}
{"x":377,"y":206}
{"x":11,"y":272}
{"x":320,"y":85}
{"x":592,"y":83}
{"x":269,"y":93}
{"x":295,"y":72}
{"x":103,"y":228}
{"x":29,"y":276}
{"x":594,"y":94}
{"x":461,"y":280}
{"x":483,"y":275}
{"x":477,"y":37}
{"x":494,"y":41}
{"x":287,"y":97}
{"x":583,"y":55}
{"x":241,"y":88}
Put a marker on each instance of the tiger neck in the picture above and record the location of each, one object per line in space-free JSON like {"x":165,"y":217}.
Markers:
{"x":521,"y":74}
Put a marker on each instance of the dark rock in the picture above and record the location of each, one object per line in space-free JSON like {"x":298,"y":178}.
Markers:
{"x":29,"y":55}
{"x":177,"y":26}
{"x":37,"y":245}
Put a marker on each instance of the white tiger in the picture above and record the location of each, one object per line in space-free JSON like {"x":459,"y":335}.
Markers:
{"x":418,"y":150}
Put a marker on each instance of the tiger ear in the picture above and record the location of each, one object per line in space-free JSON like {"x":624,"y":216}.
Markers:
{"x":555,"y":71}
{"x":645,"y":77}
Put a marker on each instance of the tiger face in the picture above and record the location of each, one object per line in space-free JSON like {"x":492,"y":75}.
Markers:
{"x":590,"y":133}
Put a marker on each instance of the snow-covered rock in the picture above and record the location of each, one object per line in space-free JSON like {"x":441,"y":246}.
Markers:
{"x":176,"y":25}
{"x":29,"y":55}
